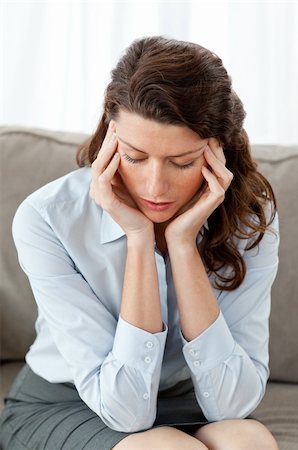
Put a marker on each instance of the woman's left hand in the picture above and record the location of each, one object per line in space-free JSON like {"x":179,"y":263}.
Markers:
{"x":186,"y":226}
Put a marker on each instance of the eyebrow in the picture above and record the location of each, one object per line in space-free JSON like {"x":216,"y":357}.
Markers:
{"x":173,"y":156}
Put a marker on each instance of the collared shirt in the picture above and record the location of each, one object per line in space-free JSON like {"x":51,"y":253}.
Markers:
{"x":74,"y":255}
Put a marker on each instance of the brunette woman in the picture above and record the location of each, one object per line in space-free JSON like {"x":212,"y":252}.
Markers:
{"x":151,"y":266}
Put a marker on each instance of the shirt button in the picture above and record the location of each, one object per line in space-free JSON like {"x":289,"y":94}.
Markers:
{"x":206,"y":394}
{"x":192,"y":352}
{"x":197,"y":363}
{"x":145,"y":396}
{"x":149,"y":344}
{"x":148,"y":359}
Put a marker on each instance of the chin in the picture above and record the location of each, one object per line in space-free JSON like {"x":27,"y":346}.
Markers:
{"x":158,"y":217}
{"x":160,"y":221}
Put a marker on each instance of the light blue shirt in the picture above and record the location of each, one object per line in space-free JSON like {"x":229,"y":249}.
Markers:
{"x":74,"y":255}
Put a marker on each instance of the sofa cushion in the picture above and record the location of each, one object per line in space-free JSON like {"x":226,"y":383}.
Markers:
{"x":280,"y":165}
{"x":29,"y":158}
{"x":278,"y":411}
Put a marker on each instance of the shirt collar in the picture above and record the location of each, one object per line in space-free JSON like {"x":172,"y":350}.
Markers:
{"x":109,"y":229}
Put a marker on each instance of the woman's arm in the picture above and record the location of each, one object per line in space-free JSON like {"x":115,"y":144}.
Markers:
{"x":140,"y":300}
{"x":140,"y":296}
{"x":196,"y":302}
{"x":140,"y":311}
{"x":227,"y":353}
{"x":114,"y":365}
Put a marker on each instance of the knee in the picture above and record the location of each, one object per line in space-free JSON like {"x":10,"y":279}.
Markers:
{"x":235,"y":434}
{"x":262,"y":435}
{"x":165,"y":437}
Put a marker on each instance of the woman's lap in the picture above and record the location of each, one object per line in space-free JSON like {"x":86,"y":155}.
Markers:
{"x":55,"y":419}
{"x":55,"y":427}
{"x":46,"y":416}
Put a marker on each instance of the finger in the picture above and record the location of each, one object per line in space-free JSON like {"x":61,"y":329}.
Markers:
{"x":107,"y":149}
{"x":101,"y":188}
{"x":216,"y":147}
{"x":213,"y":183}
{"x":109,"y":135}
{"x":219,"y":168}
{"x":100,"y":165}
{"x":110,"y":171}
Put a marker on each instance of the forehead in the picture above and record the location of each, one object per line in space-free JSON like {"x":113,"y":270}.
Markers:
{"x":152,"y":136}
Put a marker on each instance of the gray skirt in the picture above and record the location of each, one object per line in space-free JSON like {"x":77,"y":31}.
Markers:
{"x":39,"y":415}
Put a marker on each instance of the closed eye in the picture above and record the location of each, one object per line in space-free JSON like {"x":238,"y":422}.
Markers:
{"x":138,"y":161}
{"x":184,"y":166}
{"x":132,"y":160}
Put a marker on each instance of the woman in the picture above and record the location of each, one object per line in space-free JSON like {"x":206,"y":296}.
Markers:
{"x":152,"y":271}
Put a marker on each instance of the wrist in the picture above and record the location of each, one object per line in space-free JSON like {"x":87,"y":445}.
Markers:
{"x":144,"y":238}
{"x":181,"y":242}
{"x":182,"y":249}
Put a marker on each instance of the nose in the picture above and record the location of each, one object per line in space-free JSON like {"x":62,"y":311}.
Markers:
{"x":157,"y":184}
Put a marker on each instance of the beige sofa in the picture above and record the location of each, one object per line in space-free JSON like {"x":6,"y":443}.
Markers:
{"x":29,"y":158}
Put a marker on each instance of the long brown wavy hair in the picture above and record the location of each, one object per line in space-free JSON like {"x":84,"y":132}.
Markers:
{"x":182,"y":83}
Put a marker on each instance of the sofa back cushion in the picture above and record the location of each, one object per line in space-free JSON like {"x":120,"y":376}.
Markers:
{"x":30,"y":158}
{"x":280,"y":165}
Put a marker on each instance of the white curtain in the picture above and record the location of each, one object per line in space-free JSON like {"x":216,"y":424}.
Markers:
{"x":56,"y":57}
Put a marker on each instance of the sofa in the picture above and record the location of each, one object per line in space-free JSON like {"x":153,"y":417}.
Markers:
{"x":30,"y":158}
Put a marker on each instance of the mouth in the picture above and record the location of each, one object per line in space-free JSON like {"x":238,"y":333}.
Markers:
{"x":153,"y":206}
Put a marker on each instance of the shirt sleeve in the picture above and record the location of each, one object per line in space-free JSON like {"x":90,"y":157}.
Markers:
{"x":229,"y":360}
{"x":115,"y":366}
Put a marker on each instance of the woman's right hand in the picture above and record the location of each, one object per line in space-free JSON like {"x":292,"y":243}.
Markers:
{"x":108,"y":190}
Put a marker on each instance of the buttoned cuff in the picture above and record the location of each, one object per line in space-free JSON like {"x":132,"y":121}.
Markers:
{"x":138,"y":348}
{"x":210,"y":348}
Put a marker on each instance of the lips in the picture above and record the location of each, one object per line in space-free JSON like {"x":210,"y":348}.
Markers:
{"x":161,"y":206}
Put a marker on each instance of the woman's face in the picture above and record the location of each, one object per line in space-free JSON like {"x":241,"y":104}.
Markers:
{"x":160,"y":164}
